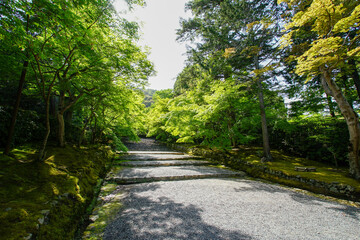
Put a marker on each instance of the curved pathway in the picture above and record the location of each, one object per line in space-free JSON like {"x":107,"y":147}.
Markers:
{"x":211,"y":203}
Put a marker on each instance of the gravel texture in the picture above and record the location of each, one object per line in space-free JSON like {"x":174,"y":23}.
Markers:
{"x":229,"y":209}
{"x":217,"y":209}
{"x":155,"y":152}
{"x":163,"y":163}
{"x":156,"y":157}
{"x":146,"y":144}
{"x":141,"y":174}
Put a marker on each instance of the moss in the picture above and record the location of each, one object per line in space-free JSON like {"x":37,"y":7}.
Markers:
{"x":324,"y":173}
{"x":108,"y":206}
{"x":47,"y":199}
{"x":248,"y":159}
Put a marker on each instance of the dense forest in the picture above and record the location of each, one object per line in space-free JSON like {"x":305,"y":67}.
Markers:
{"x":282,"y":75}
{"x":70,"y":71}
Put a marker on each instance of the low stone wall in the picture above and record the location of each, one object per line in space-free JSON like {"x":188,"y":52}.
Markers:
{"x":333,"y":189}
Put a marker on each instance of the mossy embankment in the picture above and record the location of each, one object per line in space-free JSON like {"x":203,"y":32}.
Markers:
{"x":47,"y":200}
{"x":327,"y":179}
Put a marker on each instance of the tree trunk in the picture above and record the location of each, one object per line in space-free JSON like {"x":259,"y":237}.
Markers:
{"x":265,"y":133}
{"x":42,"y":153}
{"x":352,"y":120}
{"x":61,"y":129}
{"x":61,"y":122}
{"x":82,"y":133}
{"x":328,"y":94}
{"x":331,"y":107}
{"x":16,"y":108}
{"x":18,"y":98}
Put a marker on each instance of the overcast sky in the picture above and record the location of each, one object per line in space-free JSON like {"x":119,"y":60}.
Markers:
{"x":160,"y":19}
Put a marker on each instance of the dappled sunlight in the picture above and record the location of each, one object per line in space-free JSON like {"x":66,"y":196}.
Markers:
{"x":32,"y":187}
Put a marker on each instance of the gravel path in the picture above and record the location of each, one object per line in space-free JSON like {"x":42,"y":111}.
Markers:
{"x":229,"y":209}
{"x":216,"y":208}
{"x":156,"y":157}
{"x":155,"y":163}
{"x":146,"y":144}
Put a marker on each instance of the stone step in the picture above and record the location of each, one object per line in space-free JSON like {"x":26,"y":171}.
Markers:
{"x":143,"y":157}
{"x":154,"y":152}
{"x":156,"y":163}
{"x":151,"y":174}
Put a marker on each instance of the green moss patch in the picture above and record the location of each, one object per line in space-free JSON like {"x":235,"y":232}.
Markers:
{"x":108,"y":205}
{"x":46,"y":199}
{"x":324,"y":173}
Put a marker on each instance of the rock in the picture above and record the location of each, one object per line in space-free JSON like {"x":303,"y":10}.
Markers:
{"x":28,"y":237}
{"x":334,"y":189}
{"x":93,"y":218}
{"x":305,"y":169}
{"x":41,"y":220}
{"x":45,"y":212}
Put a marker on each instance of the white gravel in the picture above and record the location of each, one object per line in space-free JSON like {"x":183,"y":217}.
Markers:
{"x":229,"y":209}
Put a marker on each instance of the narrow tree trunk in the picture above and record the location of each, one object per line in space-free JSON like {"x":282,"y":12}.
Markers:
{"x":265,"y":133}
{"x":61,"y":129}
{"x":331,"y":107}
{"x":16,"y":109}
{"x":94,"y":131}
{"x":352,"y":120}
{"x":42,"y":153}
{"x":82,"y":133}
{"x":18,"y":98}
{"x":328,"y":94}
{"x":61,"y":122}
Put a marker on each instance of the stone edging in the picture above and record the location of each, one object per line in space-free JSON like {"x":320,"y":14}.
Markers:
{"x":333,"y":189}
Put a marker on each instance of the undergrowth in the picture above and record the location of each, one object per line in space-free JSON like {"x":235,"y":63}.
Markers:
{"x":46,"y":200}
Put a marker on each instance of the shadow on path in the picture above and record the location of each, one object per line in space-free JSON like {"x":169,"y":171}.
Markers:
{"x":163,"y":218}
{"x":146,"y":144}
{"x":256,"y":186}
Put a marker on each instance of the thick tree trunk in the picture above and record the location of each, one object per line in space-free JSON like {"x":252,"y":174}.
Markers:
{"x":16,"y":109}
{"x":265,"y":133}
{"x":352,"y":120}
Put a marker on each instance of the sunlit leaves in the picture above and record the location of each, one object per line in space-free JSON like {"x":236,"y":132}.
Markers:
{"x":327,"y":51}
{"x":327,"y":18}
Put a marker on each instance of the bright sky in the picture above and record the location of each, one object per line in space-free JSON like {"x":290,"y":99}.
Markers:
{"x":160,"y":19}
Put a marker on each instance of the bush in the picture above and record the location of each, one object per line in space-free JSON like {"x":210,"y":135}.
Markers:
{"x":28,"y":126}
{"x":318,"y":138}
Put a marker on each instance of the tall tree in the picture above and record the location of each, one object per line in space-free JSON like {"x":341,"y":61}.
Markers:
{"x":245,"y":32}
{"x":336,"y":25}
{"x":16,"y":33}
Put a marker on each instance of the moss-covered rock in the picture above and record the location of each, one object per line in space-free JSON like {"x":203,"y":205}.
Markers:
{"x":46,"y":200}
